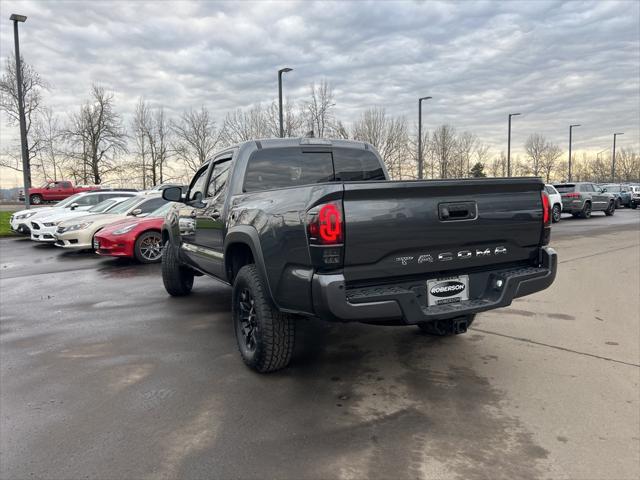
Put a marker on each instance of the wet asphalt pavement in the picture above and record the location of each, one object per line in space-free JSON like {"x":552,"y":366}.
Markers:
{"x":102,"y":375}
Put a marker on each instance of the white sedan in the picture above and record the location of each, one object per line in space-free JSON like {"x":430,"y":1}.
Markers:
{"x":44,"y":229}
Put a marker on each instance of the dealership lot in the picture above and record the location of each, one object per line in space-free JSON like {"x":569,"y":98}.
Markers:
{"x":102,"y":375}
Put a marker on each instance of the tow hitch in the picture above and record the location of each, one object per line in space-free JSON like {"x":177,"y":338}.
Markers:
{"x":459,"y":326}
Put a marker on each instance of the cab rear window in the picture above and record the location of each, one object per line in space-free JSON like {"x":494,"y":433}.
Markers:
{"x":289,"y":167}
{"x":565,"y":188}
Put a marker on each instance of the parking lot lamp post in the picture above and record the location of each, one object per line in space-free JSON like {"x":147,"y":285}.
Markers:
{"x":509,"y":145}
{"x":26,"y":171}
{"x":613,"y":157}
{"x":280,"y":72}
{"x":570,"y":133}
{"x":420,"y":160}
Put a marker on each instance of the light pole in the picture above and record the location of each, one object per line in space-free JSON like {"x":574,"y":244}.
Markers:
{"x":280,"y":72}
{"x":509,"y":145}
{"x":613,"y":158}
{"x":26,"y":170}
{"x":420,"y":162}
{"x":570,"y":132}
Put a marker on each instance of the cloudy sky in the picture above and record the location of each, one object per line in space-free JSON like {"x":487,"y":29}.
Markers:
{"x":556,"y":62}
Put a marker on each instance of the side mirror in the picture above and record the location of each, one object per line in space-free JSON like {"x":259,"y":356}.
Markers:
{"x":136,"y":212}
{"x":73,"y":206}
{"x":172,"y":194}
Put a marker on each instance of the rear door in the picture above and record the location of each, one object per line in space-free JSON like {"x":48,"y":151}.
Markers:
{"x":393,"y":229}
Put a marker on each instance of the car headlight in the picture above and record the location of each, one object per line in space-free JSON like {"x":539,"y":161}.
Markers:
{"x":125,"y":229}
{"x":25,"y":215}
{"x":51,"y":224}
{"x":77,"y":226}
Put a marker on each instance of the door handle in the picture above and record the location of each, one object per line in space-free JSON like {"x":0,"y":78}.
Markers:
{"x":215,"y":215}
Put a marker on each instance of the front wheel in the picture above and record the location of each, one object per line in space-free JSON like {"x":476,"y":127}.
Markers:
{"x":634,"y":205}
{"x":265,"y":336}
{"x":445,"y":328}
{"x":35,"y":199}
{"x":148,"y":247}
{"x":618,"y":203}
{"x":177,"y":279}
{"x":611,"y":209}
{"x":556,"y":213}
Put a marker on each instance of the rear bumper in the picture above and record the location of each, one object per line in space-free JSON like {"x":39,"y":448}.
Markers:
{"x":398,"y":303}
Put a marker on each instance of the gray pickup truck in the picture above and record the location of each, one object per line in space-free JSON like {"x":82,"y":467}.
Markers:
{"x":315,"y":228}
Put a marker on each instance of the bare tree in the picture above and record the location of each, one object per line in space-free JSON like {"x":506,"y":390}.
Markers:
{"x":549,"y":159}
{"x":389,"y":136}
{"x":98,"y":132}
{"x":498,"y":166}
{"x":628,"y":165}
{"x":242,"y":125}
{"x":465,"y":146}
{"x":443,"y":144}
{"x":195,"y":138}
{"x":535,"y":147}
{"x":140,"y":126}
{"x":319,"y":109}
{"x":50,"y":159}
{"x":292,"y":120}
{"x":32,"y":87}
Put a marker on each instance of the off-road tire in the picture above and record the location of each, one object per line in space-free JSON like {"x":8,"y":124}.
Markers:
{"x":443,"y":328}
{"x":35,"y":199}
{"x":586,"y":210}
{"x":274,"y":331}
{"x":611,"y":209}
{"x":556,"y":213}
{"x":137,"y":247}
{"x":177,"y":279}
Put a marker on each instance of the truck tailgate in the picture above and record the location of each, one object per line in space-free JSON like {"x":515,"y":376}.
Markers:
{"x":395,"y":229}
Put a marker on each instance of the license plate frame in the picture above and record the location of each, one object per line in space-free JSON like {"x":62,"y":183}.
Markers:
{"x":454,"y":289}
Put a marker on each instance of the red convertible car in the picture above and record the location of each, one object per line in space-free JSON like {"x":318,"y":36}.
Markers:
{"x":134,"y":237}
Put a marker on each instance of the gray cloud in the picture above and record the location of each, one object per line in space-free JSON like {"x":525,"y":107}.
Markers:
{"x":556,"y":62}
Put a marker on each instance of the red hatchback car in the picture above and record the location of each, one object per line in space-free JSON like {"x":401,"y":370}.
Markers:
{"x":138,"y":238}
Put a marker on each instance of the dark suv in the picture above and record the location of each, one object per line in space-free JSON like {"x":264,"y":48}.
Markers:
{"x":582,"y":198}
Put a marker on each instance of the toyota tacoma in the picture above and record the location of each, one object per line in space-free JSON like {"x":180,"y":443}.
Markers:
{"x":315,"y":228}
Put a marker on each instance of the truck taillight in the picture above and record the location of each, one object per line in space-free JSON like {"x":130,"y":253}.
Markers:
{"x":325,"y":225}
{"x":325,"y":230}
{"x":546,"y":209}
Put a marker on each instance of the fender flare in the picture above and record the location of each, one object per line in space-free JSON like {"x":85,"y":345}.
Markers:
{"x":248,"y":235}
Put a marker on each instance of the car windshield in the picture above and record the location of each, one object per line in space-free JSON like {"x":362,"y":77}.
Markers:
{"x":69,"y":200}
{"x":162,"y":211}
{"x":125,"y":206}
{"x":104,"y":205}
{"x":565,"y":188}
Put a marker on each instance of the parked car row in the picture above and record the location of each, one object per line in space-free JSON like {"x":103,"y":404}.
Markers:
{"x":118,"y":223}
{"x":581,"y":199}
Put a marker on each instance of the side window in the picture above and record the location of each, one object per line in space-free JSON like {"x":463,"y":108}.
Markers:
{"x":287,"y":167}
{"x":88,"y":200}
{"x":197,"y":184}
{"x":354,"y":165}
{"x":66,"y":185}
{"x":218,"y":179}
{"x":151,"y":205}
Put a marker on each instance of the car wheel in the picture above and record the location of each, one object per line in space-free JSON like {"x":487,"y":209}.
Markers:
{"x":634,"y":205}
{"x":177,"y":279}
{"x":35,"y":199}
{"x":586,"y":210}
{"x":445,"y":328}
{"x":611,"y":209}
{"x":148,"y":247}
{"x":618,"y":203}
{"x":556,"y":213}
{"x":265,"y":336}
